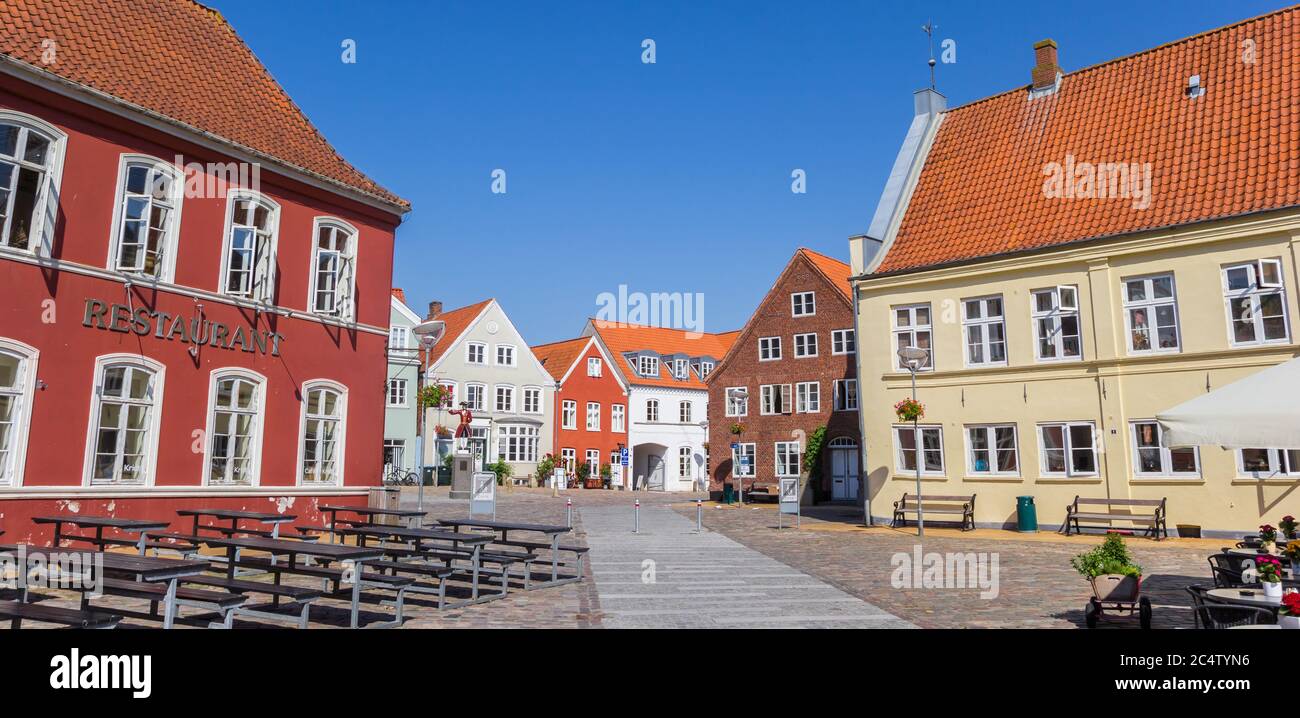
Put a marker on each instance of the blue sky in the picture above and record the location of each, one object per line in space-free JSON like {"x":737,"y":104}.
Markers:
{"x":667,"y":177}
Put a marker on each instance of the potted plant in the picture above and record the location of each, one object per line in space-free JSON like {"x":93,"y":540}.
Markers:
{"x":1288,"y":525}
{"x":909,"y":409}
{"x":606,"y":475}
{"x":502,"y":470}
{"x":1116,"y":581}
{"x":1268,"y":537}
{"x":1292,"y":554}
{"x":1289,"y":614}
{"x":737,"y":428}
{"x":1269,"y":571}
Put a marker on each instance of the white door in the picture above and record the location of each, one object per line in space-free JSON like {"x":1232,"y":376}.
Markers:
{"x":844,"y":470}
{"x":655,"y":466}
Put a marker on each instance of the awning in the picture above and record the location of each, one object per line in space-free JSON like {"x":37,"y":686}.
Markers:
{"x":1259,"y":411}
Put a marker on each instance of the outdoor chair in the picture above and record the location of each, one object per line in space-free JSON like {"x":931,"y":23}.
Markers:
{"x":1226,"y":570}
{"x":1209,"y":615}
{"x":1250,"y":542}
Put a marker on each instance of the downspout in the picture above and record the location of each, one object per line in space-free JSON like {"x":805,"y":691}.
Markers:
{"x":863,"y":482}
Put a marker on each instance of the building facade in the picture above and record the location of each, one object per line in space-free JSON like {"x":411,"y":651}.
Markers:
{"x":590,"y":408}
{"x":194,"y":303}
{"x":668,"y":402}
{"x":401,"y":399}
{"x":796,"y":362}
{"x":1068,"y":311}
{"x":487,"y":365}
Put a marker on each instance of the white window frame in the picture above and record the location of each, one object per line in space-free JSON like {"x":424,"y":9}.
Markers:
{"x":41,"y":241}
{"x":1166,"y":454}
{"x":518,"y":443}
{"x":344,"y":292}
{"x":340,"y":460}
{"x":593,"y":463}
{"x":166,"y":269}
{"x":1277,"y":461}
{"x":647,"y":365}
{"x":809,"y":349}
{"x":481,"y":404}
{"x":1069,"y":448}
{"x":396,"y":394}
{"x":911,"y":330}
{"x":769,"y":348}
{"x":593,"y":416}
{"x":731,"y":403}
{"x":749,"y":449}
{"x":1059,"y":310}
{"x":803,"y":304}
{"x":685,"y":463}
{"x":769,"y":394}
{"x":135,"y":361}
{"x":900,"y":466}
{"x":262,"y":292}
{"x":594,"y":366}
{"x":808,"y":397}
{"x":537,"y":400}
{"x":398,"y":337}
{"x":24,"y":394}
{"x":984,"y":323}
{"x":685,"y":412}
{"x":652,"y":410}
{"x":844,"y":341}
{"x":569,"y":414}
{"x":470,"y":348}
{"x":569,"y":460}
{"x":396,"y":447}
{"x":990,"y":437}
{"x":1255,"y":292}
{"x":617,"y":418}
{"x":778,"y":467}
{"x":1150,"y":306}
{"x":496,"y":398}
{"x":512,"y":355}
{"x":255,"y":435}
{"x":841,"y":398}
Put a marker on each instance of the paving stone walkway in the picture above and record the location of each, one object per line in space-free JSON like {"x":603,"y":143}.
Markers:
{"x":668,"y":576}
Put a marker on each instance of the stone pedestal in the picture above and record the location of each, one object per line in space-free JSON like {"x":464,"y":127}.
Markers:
{"x":462,"y":472}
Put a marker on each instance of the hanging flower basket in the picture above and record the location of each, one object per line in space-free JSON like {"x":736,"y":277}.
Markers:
{"x":909,"y":409}
{"x":737,"y":428}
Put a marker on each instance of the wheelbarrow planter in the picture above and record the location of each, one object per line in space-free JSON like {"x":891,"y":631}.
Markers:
{"x":1120,"y":595}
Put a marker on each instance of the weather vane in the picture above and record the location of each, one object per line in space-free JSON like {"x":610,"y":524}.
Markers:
{"x":929,"y":28}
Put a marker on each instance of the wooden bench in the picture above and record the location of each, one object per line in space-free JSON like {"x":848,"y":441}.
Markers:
{"x":1117,"y":509}
{"x":932,"y":505}
{"x":299,"y":594}
{"x":17,"y":612}
{"x":220,"y":602}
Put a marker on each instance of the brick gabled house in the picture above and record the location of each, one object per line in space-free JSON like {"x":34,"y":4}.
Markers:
{"x":796,"y":360}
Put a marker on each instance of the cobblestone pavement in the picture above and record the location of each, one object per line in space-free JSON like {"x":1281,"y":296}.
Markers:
{"x":1037,"y":587}
{"x":668,"y":576}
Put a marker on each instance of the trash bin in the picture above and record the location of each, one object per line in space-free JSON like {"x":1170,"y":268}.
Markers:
{"x":385,"y":497}
{"x":428,"y":474}
{"x":1026,"y":515}
{"x":728,"y":494}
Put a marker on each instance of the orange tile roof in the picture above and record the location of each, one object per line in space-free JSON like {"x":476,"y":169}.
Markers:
{"x":1232,"y":151}
{"x":455,"y":323}
{"x":625,"y":338}
{"x":180,"y":60}
{"x":557,"y":357}
{"x":835,"y":271}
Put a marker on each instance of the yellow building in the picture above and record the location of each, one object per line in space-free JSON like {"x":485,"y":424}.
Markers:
{"x":1078,"y":255}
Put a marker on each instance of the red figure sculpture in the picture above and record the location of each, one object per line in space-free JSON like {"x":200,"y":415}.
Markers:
{"x":462,"y":431}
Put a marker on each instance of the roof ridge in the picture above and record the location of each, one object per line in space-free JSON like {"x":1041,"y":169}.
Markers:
{"x":1130,"y":56}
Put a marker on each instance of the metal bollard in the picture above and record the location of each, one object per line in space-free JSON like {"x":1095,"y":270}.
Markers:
{"x":699,"y":516}
{"x":636,"y":517}
{"x":568,"y":509}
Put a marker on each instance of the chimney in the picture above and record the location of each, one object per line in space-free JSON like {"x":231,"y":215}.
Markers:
{"x":435,"y":308}
{"x":1046,"y":67}
{"x":401,"y":296}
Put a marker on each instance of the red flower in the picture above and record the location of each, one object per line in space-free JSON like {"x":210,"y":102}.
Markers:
{"x":1291,"y":604}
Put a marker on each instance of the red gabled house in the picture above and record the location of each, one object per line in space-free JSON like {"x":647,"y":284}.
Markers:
{"x":590,"y":406}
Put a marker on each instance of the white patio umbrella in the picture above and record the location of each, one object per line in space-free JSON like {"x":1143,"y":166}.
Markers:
{"x":1261,"y":410}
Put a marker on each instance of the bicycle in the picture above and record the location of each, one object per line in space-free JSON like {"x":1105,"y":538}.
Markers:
{"x":398,"y":477}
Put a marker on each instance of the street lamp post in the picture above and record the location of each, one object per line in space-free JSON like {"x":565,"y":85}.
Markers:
{"x":739,"y":394}
{"x":914,"y":358}
{"x":429,"y":332}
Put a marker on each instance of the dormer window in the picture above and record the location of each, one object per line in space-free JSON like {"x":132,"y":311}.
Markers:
{"x":648,"y":365}
{"x":705,"y":368}
{"x":681,"y":369}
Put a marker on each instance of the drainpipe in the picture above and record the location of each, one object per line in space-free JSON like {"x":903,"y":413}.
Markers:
{"x":862,"y":428}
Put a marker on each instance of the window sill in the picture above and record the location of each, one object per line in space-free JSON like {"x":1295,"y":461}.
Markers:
{"x":1068,"y":480}
{"x":1166,"y":480}
{"x":924,"y":477}
{"x":1270,"y":481}
{"x":994,"y":478}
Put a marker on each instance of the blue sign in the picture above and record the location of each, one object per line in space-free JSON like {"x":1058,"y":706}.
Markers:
{"x":734,"y":446}
{"x":623,"y":457}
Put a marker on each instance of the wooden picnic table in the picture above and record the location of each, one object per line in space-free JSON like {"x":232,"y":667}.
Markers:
{"x":99,"y":523}
{"x":551,"y":531}
{"x":143,"y":568}
{"x":234,"y":517}
{"x":370,"y":512}
{"x":418,"y":537}
{"x":292,"y":549}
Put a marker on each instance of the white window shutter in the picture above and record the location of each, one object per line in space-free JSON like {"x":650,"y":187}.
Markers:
{"x":343,"y":294}
{"x":50,"y":216}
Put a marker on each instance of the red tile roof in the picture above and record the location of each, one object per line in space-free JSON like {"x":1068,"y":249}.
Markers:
{"x":835,"y":271}
{"x":455,"y":323}
{"x":621,"y":339}
{"x":557,"y":357}
{"x":180,"y":60}
{"x":1233,"y":150}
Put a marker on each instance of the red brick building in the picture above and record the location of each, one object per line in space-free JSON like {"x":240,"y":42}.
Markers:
{"x":194,"y":286}
{"x":795,"y":358}
{"x":591,"y":405}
